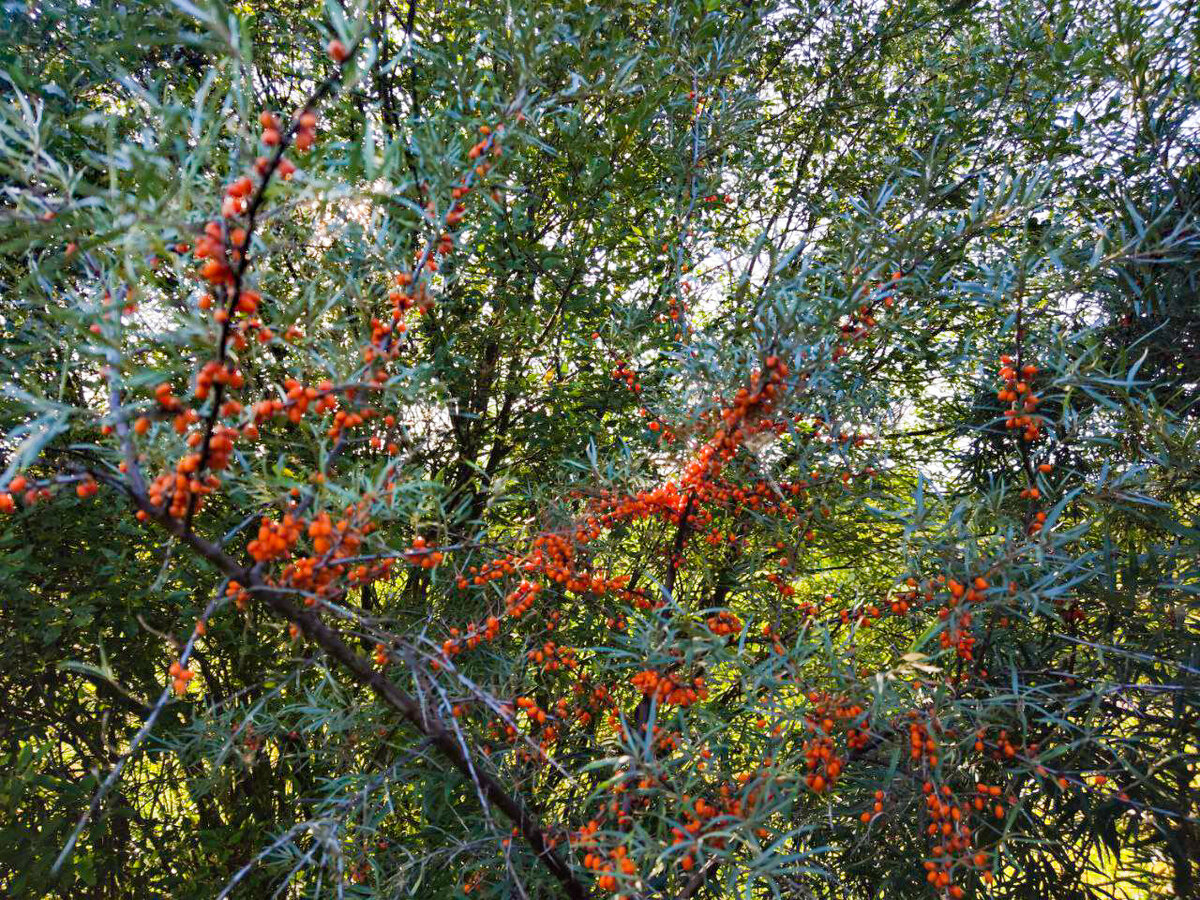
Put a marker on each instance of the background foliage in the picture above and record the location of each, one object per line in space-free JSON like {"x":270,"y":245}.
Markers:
{"x":883,"y":199}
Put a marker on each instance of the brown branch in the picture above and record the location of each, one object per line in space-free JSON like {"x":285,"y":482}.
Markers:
{"x":239,"y":271}
{"x":361,"y":670}
{"x":693,"y":885}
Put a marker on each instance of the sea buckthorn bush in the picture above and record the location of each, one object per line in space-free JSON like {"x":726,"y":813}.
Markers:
{"x":690,"y":449}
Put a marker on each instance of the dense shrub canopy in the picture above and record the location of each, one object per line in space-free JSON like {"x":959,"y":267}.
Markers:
{"x":540,"y":449}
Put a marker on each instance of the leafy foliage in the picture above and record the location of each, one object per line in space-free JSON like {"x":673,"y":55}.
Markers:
{"x":656,"y":450}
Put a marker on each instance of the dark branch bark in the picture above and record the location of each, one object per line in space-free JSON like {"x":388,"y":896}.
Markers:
{"x":361,"y":670}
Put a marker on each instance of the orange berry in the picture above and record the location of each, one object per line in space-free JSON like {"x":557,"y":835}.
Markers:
{"x":337,"y":51}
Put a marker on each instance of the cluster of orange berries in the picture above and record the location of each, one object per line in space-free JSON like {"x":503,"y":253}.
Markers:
{"x":821,"y":758}
{"x":667,"y":690}
{"x":320,"y":529}
{"x":701,"y":821}
{"x":718,"y":538}
{"x":240,"y":596}
{"x":211,"y":245}
{"x":323,"y":575}
{"x":760,"y":497}
{"x":553,"y":556}
{"x":247,"y":304}
{"x":780,"y":581}
{"x":86,"y":488}
{"x":553,"y":657}
{"x":543,"y":726}
{"x":617,"y":622}
{"x":724,"y":623}
{"x":1005,"y":749}
{"x":622,"y":372}
{"x":749,"y":404}
{"x":344,"y":419}
{"x":546,"y":733}
{"x":531,"y":709}
{"x":490,"y":139}
{"x":808,"y":610}
{"x":420,"y":554}
{"x":180,"y":423}
{"x":1031,"y":492}
{"x":405,"y":296}
{"x":17,"y":485}
{"x":222,"y":245}
{"x":474,"y":635}
{"x":661,"y":429}
{"x":677,"y":310}
{"x":501,"y":730}
{"x":409,"y":292}
{"x":176,"y":491}
{"x":922,"y":744}
{"x":172,"y":404}
{"x":520,"y":600}
{"x":298,"y":397}
{"x":303,"y":138}
{"x":180,"y":677}
{"x":862,"y":616}
{"x":365,"y":574}
{"x":876,"y":809}
{"x":902,"y":602}
{"x":331,"y":541}
{"x":951,"y":822}
{"x":762,"y":778}
{"x":665,"y":501}
{"x":957,"y":635}
{"x":1024,"y":403}
{"x":669,"y":502}
{"x":593,"y":700}
{"x":490,"y":142}
{"x":220,"y":448}
{"x":988,"y":795}
{"x":862,"y":321}
{"x":664,"y":742}
{"x":699,"y":814}
{"x":889,"y":290}
{"x":275,"y":539}
{"x":493,"y":571}
{"x":213,"y":372}
{"x":605,"y":865}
